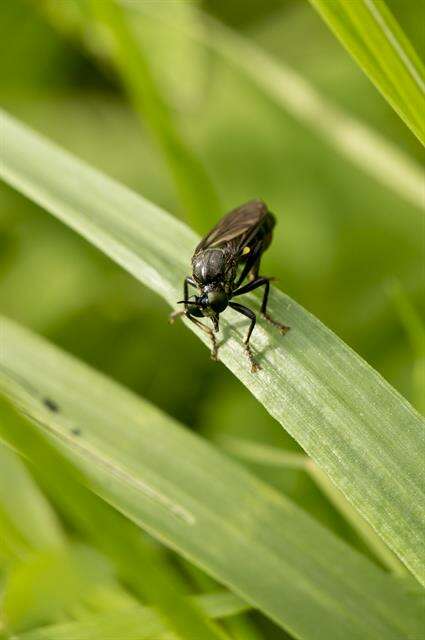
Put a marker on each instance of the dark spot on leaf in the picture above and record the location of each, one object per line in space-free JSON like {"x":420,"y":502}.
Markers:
{"x":51,"y":405}
{"x":76,"y":431}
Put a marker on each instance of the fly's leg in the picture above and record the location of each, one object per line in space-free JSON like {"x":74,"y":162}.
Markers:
{"x":259,"y":282}
{"x":176,"y":314}
{"x":251,"y":315}
{"x":283,"y":328}
{"x":208,"y":331}
{"x":253,"y":274}
{"x":252,"y":263}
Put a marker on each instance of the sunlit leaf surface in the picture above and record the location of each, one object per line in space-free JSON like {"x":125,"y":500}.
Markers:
{"x":199,"y":502}
{"x":352,"y":423}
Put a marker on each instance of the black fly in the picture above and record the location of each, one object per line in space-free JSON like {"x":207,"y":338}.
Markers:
{"x":228,"y":255}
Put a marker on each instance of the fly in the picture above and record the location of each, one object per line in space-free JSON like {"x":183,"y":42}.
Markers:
{"x":228,"y":255}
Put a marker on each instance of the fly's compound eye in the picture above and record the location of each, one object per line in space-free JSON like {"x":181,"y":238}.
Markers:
{"x":217,"y":300}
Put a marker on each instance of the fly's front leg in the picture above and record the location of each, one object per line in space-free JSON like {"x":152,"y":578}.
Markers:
{"x":259,"y":282}
{"x":176,"y":314}
{"x":251,"y":315}
{"x":208,"y":331}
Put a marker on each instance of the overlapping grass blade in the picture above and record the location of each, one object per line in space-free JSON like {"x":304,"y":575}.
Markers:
{"x":415,"y":330}
{"x":272,"y":456}
{"x":353,"y":139}
{"x":375,"y":40}
{"x":25,"y":510}
{"x":136,"y":623}
{"x":363,"y":434}
{"x":140,"y":566}
{"x":193,"y":185}
{"x":199,"y":502}
{"x":46,"y":585}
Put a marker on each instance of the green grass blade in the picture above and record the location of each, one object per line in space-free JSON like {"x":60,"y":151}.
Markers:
{"x":363,"y":434}
{"x":415,"y":329}
{"x":199,"y":502}
{"x":136,"y":623}
{"x":140,"y":566}
{"x":31,"y":596}
{"x":373,"y":37}
{"x":25,"y":508}
{"x":195,"y":189}
{"x":353,"y":139}
{"x":363,"y":529}
{"x":273,"y":456}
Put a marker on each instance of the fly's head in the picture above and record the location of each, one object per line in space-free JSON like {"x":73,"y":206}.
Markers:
{"x":212,"y":301}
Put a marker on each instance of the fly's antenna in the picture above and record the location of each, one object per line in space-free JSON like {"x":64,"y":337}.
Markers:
{"x":195,"y":302}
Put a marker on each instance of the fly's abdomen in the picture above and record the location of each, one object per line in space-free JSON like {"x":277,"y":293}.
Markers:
{"x":269,"y":223}
{"x":260,"y":240}
{"x":267,"y":226}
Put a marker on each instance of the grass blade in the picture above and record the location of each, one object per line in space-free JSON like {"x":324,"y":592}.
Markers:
{"x":140,"y":566}
{"x":350,"y":137}
{"x":415,"y":330}
{"x":31,"y":597}
{"x":375,"y":40}
{"x":348,"y":419}
{"x":26,"y":508}
{"x":136,"y":623}
{"x":193,"y":185}
{"x":353,"y":139}
{"x":273,"y":456}
{"x":183,"y":491}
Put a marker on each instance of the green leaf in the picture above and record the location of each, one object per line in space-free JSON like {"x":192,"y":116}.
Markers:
{"x":199,"y":502}
{"x":415,"y":330}
{"x":25,"y":509}
{"x":275,"y":457}
{"x":135,"y":623}
{"x":353,"y":139}
{"x":358,"y":429}
{"x":194,"y":187}
{"x":31,"y":595}
{"x":138,"y":564}
{"x":375,"y":40}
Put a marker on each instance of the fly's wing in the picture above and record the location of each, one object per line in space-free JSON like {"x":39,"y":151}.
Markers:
{"x":236,"y":227}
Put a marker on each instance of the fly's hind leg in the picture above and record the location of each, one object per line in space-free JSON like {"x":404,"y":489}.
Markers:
{"x":283,"y":328}
{"x":254,"y":284}
{"x":209,"y":332}
{"x":253,"y":274}
{"x":251,"y":315}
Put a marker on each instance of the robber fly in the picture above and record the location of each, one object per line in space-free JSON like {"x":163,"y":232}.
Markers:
{"x":229,"y":254}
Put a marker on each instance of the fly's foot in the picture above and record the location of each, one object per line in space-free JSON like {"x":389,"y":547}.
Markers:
{"x":283,"y":328}
{"x":175,"y":314}
{"x":254,"y":364}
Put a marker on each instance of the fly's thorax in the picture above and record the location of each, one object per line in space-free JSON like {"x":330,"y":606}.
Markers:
{"x":208,"y":266}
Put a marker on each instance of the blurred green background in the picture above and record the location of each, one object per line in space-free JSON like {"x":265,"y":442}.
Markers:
{"x":341,"y":242}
